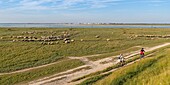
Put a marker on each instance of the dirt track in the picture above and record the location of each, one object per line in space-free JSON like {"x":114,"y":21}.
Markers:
{"x":95,"y":66}
{"x":28,"y":69}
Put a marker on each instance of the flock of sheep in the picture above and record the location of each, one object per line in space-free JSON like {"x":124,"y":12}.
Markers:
{"x":45,"y":40}
{"x":150,"y":37}
{"x":65,"y":36}
{"x":154,"y":36}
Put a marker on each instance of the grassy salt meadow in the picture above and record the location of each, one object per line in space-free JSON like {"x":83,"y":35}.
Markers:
{"x":22,"y":48}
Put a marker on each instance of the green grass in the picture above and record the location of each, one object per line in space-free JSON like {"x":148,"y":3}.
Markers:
{"x":27,"y":56}
{"x":20,"y":55}
{"x":98,"y":74}
{"x":148,"y":71}
{"x":94,"y":77}
{"x":38,"y":73}
{"x":90,"y":81}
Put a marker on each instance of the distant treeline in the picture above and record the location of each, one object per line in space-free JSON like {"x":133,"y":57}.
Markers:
{"x":126,"y":23}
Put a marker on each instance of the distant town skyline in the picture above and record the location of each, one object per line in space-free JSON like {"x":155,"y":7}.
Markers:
{"x":84,"y":11}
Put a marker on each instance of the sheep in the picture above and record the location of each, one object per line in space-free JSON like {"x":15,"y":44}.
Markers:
{"x":43,"y":37}
{"x":81,"y":40}
{"x":66,"y":35}
{"x":30,"y":32}
{"x":136,"y":36}
{"x":19,"y":37}
{"x":45,"y":40}
{"x":50,"y":43}
{"x":30,"y":37}
{"x":35,"y":37}
{"x":97,"y":36}
{"x":72,"y":40}
{"x":14,"y":36}
{"x":57,"y":42}
{"x":22,"y":40}
{"x":66,"y":39}
{"x":15,"y":40}
{"x":108,"y":39}
{"x":31,"y":40}
{"x":67,"y":42}
{"x":25,"y":37}
{"x":39,"y":40}
{"x":26,"y":40}
{"x":42,"y":43}
{"x":23,"y":32}
{"x":152,"y":38}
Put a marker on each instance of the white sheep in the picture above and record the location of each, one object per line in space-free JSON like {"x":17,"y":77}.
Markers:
{"x":108,"y":39}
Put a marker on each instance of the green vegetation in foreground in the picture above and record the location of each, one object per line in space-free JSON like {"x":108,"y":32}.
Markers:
{"x":148,"y":71}
{"x":41,"y":72}
{"x":93,"y":77}
{"x":20,"y":55}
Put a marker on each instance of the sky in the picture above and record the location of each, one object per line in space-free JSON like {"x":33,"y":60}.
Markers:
{"x":84,"y":11}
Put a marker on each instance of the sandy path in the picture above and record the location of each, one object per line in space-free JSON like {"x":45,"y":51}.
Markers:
{"x":95,"y":66}
{"x":79,"y":81}
{"x":32,"y":68}
{"x":82,"y":58}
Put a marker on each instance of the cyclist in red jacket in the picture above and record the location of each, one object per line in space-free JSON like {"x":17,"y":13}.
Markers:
{"x":142,"y":53}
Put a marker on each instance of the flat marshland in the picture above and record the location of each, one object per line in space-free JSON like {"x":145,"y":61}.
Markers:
{"x":23,"y":48}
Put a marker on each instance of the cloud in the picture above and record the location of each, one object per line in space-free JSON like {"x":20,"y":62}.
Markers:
{"x":55,"y":4}
{"x":81,"y":10}
{"x":157,"y":1}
